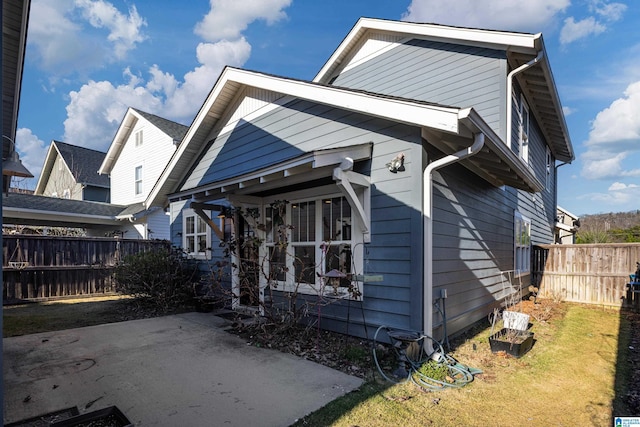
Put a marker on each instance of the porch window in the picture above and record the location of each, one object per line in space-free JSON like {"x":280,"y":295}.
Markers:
{"x":196,"y":239}
{"x":522,"y":244}
{"x":308,"y":238}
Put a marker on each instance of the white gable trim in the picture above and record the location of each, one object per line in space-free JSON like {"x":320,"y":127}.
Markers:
{"x":469,"y":36}
{"x":233,"y":80}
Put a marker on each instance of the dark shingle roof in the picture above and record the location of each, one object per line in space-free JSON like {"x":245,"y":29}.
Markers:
{"x":84,"y":162}
{"x":173,"y":129}
{"x":62,"y":206}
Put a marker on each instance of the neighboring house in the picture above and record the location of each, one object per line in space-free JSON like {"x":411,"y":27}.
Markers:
{"x":71,"y":172}
{"x":567,"y":225}
{"x":420,"y":159}
{"x":138,"y":154}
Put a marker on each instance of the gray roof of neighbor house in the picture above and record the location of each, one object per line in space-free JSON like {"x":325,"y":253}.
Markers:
{"x":173,"y":129}
{"x":30,"y":209}
{"x":84,"y":163}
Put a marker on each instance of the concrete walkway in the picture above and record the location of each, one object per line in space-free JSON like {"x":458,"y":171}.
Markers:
{"x":180,"y":370}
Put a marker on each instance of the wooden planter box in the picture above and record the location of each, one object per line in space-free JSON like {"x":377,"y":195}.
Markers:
{"x":111,"y":417}
{"x":512,"y":341}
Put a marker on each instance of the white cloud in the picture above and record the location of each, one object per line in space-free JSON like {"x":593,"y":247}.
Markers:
{"x":227,"y":19}
{"x":32,"y":153}
{"x":607,"y":13}
{"x":618,"y":125}
{"x":602,"y":165}
{"x":520,"y":15}
{"x":572,"y":30}
{"x":190,"y":95}
{"x":124,"y":30}
{"x":97,"y":108}
{"x":618,"y":194}
{"x":567,"y":111}
{"x":619,"y":186}
{"x":56,"y":27}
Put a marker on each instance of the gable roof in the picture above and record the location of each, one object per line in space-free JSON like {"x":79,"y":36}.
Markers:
{"x":175,"y":131}
{"x":442,"y":120}
{"x":82,"y":163}
{"x":171,"y":128}
{"x":537,"y":82}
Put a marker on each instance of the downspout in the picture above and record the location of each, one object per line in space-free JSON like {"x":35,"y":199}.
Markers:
{"x":509,"y":102}
{"x":427,"y":208}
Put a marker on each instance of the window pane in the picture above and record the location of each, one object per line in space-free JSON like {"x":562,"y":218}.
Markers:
{"x":305,"y":264}
{"x":277,"y":264}
{"x":190,"y":226}
{"x":273,"y":225}
{"x":202,"y":243}
{"x":303,"y":221}
{"x":191,"y":247}
{"x":336,"y":219}
{"x":202,"y":226}
{"x":338,"y":257}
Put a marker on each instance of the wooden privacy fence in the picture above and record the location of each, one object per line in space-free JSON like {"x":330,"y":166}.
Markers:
{"x":591,"y":274}
{"x":40,"y":267}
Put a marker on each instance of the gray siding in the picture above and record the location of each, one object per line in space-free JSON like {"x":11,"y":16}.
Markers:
{"x":473,"y":244}
{"x":442,"y":73}
{"x":395,"y":251}
{"x":539,"y":207}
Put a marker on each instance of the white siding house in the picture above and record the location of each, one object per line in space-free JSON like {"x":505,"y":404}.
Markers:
{"x":139,"y":153}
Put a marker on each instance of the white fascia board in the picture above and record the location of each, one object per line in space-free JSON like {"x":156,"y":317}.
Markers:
{"x":404,"y":111}
{"x":46,"y":169}
{"x":128,"y":121}
{"x":493,"y":39}
{"x":565,"y":227}
{"x":566,"y":212}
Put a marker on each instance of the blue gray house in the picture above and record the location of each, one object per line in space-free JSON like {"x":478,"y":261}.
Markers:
{"x":420,"y":162}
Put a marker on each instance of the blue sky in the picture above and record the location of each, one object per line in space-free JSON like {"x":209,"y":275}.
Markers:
{"x":88,"y":60}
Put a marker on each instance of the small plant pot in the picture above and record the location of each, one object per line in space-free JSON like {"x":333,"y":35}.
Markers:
{"x":107,"y":417}
{"x":512,"y":341}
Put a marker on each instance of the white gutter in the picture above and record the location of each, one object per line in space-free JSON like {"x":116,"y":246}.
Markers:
{"x":427,"y":209}
{"x":509,"y":102}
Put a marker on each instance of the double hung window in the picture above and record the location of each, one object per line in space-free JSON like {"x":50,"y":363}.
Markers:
{"x":522,"y":244}
{"x":196,"y":240}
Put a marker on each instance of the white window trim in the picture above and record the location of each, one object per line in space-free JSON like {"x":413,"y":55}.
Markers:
{"x":522,"y":263}
{"x":320,"y":287}
{"x":136,"y":180}
{"x":186,"y":213}
{"x":524,"y":137}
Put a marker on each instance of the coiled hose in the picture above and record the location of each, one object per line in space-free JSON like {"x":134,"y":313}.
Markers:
{"x":451,"y":373}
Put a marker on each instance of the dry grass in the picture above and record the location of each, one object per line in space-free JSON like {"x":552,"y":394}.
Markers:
{"x":567,"y":379}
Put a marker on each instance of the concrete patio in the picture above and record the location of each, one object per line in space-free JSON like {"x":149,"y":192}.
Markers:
{"x":168,"y":371}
